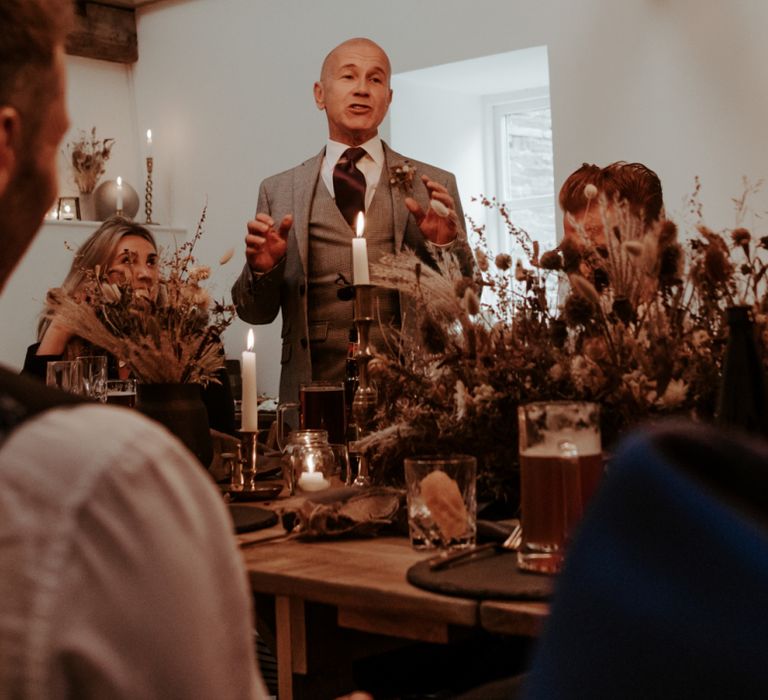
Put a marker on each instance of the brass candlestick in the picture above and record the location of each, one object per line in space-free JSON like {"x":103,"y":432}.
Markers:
{"x":148,"y":192}
{"x":248,"y":444}
{"x":366,"y":397}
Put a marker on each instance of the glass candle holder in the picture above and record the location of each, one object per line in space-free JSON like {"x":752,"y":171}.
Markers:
{"x":309,"y":461}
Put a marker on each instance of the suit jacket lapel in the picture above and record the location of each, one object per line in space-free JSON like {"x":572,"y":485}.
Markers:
{"x":400,"y":212}
{"x":304,"y":182}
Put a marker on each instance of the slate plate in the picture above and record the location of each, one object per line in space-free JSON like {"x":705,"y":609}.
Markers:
{"x":250,"y":518}
{"x":493,"y":576}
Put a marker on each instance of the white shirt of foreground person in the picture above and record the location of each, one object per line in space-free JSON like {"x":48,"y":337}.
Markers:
{"x":120,"y":574}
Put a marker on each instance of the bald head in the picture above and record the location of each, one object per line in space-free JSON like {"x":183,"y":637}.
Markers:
{"x":356,"y":45}
{"x":354,"y":91}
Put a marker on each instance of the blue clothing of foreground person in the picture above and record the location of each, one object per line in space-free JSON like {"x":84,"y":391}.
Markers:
{"x":663,"y":592}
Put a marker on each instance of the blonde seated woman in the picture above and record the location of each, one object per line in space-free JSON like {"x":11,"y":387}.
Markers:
{"x":127,"y":253}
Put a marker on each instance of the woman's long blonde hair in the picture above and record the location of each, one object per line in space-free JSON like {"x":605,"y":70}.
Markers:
{"x":98,"y":250}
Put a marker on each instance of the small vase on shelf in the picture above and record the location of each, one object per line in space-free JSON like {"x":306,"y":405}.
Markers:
{"x":87,"y":206}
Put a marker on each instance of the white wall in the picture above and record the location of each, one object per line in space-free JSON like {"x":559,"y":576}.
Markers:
{"x":226,"y":87}
{"x":101,"y":94}
{"x":439,"y":116}
{"x":448,"y":118}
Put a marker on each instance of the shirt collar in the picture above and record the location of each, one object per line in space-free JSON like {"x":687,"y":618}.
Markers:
{"x":373,"y":148}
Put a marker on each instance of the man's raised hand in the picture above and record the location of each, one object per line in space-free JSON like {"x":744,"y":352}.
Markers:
{"x":439,"y":223}
{"x":265,"y":245}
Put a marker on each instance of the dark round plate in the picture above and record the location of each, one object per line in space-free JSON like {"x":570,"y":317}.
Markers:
{"x":249,"y":518}
{"x":264,"y":491}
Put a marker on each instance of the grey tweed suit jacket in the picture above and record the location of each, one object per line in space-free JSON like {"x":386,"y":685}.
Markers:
{"x":258,"y":298}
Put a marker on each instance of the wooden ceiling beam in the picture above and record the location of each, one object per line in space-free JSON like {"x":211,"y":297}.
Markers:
{"x":104,"y":32}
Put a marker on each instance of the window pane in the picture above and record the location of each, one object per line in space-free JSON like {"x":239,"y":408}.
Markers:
{"x":528,"y":171}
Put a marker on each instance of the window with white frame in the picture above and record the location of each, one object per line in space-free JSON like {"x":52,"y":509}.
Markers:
{"x":523,"y":170}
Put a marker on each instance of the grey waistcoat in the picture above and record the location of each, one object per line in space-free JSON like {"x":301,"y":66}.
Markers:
{"x":330,"y":253}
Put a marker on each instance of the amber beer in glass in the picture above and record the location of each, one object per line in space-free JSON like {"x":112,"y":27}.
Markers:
{"x":322,"y":408}
{"x":561,"y":465}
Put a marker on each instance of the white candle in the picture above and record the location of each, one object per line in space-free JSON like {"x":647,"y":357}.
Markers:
{"x":119,"y":203}
{"x":149,"y":143}
{"x":250,"y":418}
{"x":360,"y":253}
{"x":313,"y":481}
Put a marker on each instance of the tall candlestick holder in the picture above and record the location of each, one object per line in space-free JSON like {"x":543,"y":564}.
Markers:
{"x":366,"y":396}
{"x":248,"y":451}
{"x":148,"y":192}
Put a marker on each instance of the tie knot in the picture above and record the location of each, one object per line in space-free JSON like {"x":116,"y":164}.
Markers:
{"x":352,"y":155}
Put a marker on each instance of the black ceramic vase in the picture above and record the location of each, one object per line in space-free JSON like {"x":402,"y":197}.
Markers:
{"x":743,"y":397}
{"x":180,"y":408}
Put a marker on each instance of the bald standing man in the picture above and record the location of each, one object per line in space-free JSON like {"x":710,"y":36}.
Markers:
{"x":300,"y":239}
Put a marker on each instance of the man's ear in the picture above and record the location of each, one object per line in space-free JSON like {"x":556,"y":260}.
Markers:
{"x":319,"y":95}
{"x":10,"y":138}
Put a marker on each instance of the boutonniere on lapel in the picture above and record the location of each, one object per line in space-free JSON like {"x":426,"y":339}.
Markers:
{"x":401,"y":176}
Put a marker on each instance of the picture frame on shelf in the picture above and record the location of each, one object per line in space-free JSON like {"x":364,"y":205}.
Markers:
{"x":68,"y":209}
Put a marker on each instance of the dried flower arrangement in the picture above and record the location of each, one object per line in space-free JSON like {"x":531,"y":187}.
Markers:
{"x":175,"y":338}
{"x":87,"y":155}
{"x":642,"y":331}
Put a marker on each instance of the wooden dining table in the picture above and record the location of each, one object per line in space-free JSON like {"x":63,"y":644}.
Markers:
{"x":324,"y":604}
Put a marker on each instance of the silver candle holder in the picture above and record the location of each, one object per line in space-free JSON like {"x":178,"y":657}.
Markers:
{"x":366,"y":396}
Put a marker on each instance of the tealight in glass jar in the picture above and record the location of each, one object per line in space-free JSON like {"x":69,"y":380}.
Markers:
{"x":308,"y":461}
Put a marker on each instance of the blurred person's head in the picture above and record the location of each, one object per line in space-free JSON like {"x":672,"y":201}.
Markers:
{"x":590,"y":190}
{"x":123,"y":252}
{"x":33,"y":118}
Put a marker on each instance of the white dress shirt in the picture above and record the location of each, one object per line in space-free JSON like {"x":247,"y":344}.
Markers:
{"x":370,"y":165}
{"x":119,"y":572}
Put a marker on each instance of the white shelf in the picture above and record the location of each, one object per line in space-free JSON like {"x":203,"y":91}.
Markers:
{"x":90,"y":226}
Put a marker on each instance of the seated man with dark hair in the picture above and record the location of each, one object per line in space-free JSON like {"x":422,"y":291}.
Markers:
{"x":583,"y":191}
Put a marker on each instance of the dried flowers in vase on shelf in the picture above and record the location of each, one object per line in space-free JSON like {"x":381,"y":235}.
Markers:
{"x":87,"y":155}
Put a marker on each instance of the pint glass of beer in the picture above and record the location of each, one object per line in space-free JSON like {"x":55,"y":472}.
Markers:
{"x":322,"y":408}
{"x":560,"y":467}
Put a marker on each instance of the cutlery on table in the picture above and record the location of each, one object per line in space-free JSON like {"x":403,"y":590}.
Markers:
{"x":449,"y":559}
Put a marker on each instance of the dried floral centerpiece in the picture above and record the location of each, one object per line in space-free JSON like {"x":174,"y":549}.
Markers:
{"x":175,"y":338}
{"x":87,"y":156}
{"x":642,"y":331}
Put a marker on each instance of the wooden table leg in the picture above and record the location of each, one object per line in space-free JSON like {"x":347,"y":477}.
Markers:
{"x":291,"y":635}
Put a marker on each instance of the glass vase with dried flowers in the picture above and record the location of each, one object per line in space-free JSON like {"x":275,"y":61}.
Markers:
{"x":87,"y":156}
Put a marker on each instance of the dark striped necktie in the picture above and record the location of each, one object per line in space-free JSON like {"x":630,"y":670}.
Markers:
{"x":349,"y":184}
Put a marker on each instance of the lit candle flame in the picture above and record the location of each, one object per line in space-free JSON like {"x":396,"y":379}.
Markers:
{"x":119,"y":182}
{"x":149,"y":137}
{"x":360,"y":224}
{"x":249,"y":344}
